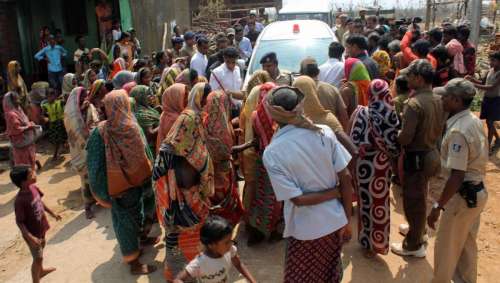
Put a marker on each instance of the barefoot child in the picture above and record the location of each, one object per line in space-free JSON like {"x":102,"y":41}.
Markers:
{"x":31,"y":218}
{"x":213,"y":264}
{"x":53,"y":109}
{"x":490,"y":108}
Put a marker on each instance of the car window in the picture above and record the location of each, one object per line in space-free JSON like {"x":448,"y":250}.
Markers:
{"x":291,"y":52}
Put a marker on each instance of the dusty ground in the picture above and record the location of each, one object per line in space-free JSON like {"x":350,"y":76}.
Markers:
{"x":86,"y":251}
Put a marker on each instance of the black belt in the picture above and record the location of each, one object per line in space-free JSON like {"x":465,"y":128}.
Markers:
{"x":469,"y":191}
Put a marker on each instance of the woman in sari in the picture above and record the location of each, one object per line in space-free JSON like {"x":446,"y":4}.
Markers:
{"x":355,"y":90}
{"x":118,"y":146}
{"x":383,"y":60}
{"x":122,"y":78}
{"x":95,"y":108}
{"x":20,"y":130}
{"x":184,"y":183}
{"x":263,"y":211}
{"x":168,"y":77}
{"x":219,"y":141}
{"x":16,"y":83}
{"x":75,"y":122}
{"x":69,"y":83}
{"x":147,"y":117}
{"x":374,"y":131}
{"x":89,"y":78}
{"x":173,"y":102}
{"x":188,"y":77}
{"x":145,"y":77}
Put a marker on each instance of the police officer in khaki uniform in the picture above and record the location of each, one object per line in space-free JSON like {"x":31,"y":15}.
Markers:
{"x":422,"y":127}
{"x":269,"y":63}
{"x":464,"y":153}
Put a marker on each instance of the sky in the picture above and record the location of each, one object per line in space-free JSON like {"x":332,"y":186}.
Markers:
{"x":387,"y":4}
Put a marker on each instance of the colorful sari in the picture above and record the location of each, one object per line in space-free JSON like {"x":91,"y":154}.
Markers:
{"x":78,"y":132}
{"x":358,"y":77}
{"x":264,"y":211}
{"x":383,"y":60}
{"x":219,"y":141}
{"x":374,"y":131}
{"x":68,"y":85}
{"x":173,"y":102}
{"x":168,"y":78}
{"x":147,"y":116}
{"x":185,"y":141}
{"x":20,"y":133}
{"x":125,"y":185}
{"x":122,"y":78}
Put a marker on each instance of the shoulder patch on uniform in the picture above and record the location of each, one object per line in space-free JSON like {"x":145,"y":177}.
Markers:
{"x":456,"y":147}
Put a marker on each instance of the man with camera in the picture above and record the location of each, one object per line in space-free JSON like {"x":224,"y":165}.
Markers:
{"x":464,"y":154}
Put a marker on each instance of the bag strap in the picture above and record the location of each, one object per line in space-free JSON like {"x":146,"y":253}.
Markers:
{"x":218,"y":81}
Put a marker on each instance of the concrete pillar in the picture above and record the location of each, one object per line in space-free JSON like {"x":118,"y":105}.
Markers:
{"x":474,"y":16}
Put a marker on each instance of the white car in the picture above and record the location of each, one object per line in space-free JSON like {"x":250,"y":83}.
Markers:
{"x":292,"y":41}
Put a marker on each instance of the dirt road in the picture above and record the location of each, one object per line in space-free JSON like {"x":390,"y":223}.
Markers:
{"x":87,"y":251}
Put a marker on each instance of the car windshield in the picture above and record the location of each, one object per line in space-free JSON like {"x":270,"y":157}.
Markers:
{"x":291,"y":52}
{"x":304,"y":16}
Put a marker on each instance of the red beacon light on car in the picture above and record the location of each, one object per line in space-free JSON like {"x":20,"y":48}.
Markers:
{"x":296,"y":28}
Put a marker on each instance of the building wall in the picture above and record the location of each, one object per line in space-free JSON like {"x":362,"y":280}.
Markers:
{"x":150,"y":16}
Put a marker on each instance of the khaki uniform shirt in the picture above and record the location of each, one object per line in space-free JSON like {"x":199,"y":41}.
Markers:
{"x":465,"y":146}
{"x":284,"y":79}
{"x":423,"y":122}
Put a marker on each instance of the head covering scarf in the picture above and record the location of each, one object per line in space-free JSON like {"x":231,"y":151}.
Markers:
{"x":38,"y":92}
{"x":184,"y":77}
{"x":76,"y":127}
{"x":455,"y":49}
{"x":95,"y":90}
{"x":16,"y":82}
{"x":173,"y":102}
{"x":261,"y":121}
{"x":86,"y":83}
{"x":357,"y":75}
{"x":312,"y":106}
{"x":258,"y":78}
{"x":14,"y":116}
{"x":383,"y":60}
{"x":146,"y":115}
{"x":202,"y":79}
{"x":294,"y":117}
{"x":122,"y":78}
{"x":129,"y":86}
{"x":219,"y":138}
{"x":140,"y":75}
{"x":126,"y":161}
{"x":67,"y":85}
{"x":376,"y":124}
{"x":168,"y":77}
{"x":196,"y":96}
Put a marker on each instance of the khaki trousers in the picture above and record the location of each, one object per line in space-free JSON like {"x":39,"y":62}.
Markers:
{"x":455,"y":252}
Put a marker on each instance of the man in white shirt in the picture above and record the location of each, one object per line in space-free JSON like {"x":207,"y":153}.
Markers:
{"x":227,"y":77}
{"x":199,"y":61}
{"x":252,"y":18}
{"x":332,"y":71}
{"x":243,"y":44}
{"x":307,"y":167}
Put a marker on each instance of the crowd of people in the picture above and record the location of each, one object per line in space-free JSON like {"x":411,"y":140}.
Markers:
{"x":166,"y":138}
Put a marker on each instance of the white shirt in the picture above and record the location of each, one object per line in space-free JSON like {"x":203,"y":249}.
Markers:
{"x":302,"y":161}
{"x":211,"y":270}
{"x":332,"y":72}
{"x":199,"y":63}
{"x":230,"y":80}
{"x":245,"y":48}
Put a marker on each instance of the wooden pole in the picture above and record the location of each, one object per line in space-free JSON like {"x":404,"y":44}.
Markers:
{"x":474,"y":16}
{"x":428,"y":14}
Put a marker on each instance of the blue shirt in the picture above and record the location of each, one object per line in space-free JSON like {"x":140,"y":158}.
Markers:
{"x":245,"y":48}
{"x":54,"y":55}
{"x":300,"y":161}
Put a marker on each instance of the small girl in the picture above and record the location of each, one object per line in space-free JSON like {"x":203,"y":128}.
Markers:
{"x":213,"y":264}
{"x":53,"y":109}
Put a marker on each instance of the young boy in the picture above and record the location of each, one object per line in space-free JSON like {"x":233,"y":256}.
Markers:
{"x":213,"y":264}
{"x":491,"y":101}
{"x":31,"y":218}
{"x":53,"y":109}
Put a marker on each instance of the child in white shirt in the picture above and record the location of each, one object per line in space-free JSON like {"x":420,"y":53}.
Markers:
{"x":213,"y":264}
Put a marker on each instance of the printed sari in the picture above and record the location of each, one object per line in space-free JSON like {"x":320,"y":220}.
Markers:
{"x":173,"y":102}
{"x":147,"y":116}
{"x":374,"y":131}
{"x":219,"y":141}
{"x":125,"y":185}
{"x":182,"y":211}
